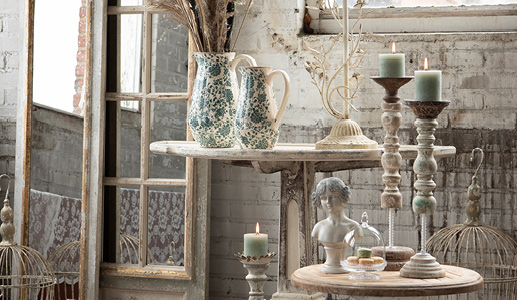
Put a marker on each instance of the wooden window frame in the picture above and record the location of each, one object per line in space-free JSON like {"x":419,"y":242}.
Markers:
{"x":482,"y":18}
{"x":144,"y":182}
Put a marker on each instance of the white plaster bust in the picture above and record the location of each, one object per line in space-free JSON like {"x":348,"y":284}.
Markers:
{"x":332,"y":195}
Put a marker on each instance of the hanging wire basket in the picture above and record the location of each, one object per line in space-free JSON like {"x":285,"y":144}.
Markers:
{"x":488,"y":250}
{"x":24,"y":272}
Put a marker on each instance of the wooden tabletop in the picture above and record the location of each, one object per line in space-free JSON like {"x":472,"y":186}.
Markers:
{"x":456,"y":281}
{"x":287,"y":152}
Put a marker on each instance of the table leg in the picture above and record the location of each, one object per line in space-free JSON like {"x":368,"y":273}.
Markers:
{"x":297,"y":248}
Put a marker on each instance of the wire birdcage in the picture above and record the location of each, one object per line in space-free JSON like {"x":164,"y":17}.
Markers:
{"x":24,"y":272}
{"x":65,"y":261}
{"x":488,"y":250}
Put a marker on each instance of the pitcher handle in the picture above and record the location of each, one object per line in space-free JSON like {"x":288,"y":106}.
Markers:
{"x":287,"y":93}
{"x":240,"y":57}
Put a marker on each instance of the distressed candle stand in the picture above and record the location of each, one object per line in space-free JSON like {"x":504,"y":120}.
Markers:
{"x":424,"y":265}
{"x":256,"y":277}
{"x":391,"y":160}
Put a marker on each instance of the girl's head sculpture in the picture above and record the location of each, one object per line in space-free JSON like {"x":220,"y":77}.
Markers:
{"x":332,"y":195}
{"x":328,"y":191}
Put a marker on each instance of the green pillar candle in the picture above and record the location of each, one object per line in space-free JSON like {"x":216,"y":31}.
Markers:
{"x":428,"y":85}
{"x":392,"y":65}
{"x":255,"y":244}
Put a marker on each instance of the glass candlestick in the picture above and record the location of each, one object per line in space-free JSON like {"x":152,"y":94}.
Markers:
{"x":256,"y":277}
{"x":423,"y":264}
{"x":391,"y":160}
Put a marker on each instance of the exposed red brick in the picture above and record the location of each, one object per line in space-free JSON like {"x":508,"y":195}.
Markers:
{"x":82,"y":26}
{"x":79,"y":82}
{"x":81,"y":56}
{"x":82,"y":12}
{"x":79,"y":70}
{"x":77,"y":99}
{"x":81,"y":41}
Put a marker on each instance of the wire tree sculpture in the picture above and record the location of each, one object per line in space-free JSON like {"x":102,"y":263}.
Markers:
{"x":346,"y":133}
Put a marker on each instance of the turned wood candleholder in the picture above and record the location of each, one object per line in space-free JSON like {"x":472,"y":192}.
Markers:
{"x":256,"y":277}
{"x":391,"y":160}
{"x":424,"y":265}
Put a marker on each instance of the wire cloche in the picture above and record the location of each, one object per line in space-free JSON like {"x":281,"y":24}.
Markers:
{"x":357,"y":252}
{"x":25,"y":273}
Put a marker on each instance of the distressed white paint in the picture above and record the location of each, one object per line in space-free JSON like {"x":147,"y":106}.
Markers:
{"x":293,"y":240}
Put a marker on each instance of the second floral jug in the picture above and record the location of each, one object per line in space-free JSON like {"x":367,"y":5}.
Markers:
{"x":257,"y":119}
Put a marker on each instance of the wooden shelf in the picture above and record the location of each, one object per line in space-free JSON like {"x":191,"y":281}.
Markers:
{"x":287,"y":152}
{"x":456,"y":281}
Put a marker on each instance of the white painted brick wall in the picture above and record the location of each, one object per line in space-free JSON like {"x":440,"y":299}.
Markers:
{"x":10,"y":48}
{"x":479,"y":73}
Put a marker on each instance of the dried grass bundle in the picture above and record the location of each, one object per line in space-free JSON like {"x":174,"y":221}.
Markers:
{"x":209,"y":21}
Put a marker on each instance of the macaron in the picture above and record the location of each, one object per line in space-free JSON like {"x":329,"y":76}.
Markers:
{"x":352,"y":259}
{"x":366,"y":261}
{"x":377,"y":259}
{"x":364,"y":253}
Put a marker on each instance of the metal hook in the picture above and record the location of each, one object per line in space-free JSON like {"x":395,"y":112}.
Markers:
{"x":172,"y":249}
{"x":8,"y":184}
{"x":480,"y":162}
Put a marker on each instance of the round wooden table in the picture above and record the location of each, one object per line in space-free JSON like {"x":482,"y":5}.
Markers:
{"x":456,"y":281}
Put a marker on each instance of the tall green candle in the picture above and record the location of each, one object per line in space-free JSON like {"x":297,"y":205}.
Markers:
{"x":392,"y":65}
{"x":255,"y":244}
{"x":428,"y":84}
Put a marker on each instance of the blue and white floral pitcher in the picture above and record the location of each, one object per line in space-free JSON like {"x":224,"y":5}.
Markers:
{"x":257,"y":119}
{"x":212,"y":104}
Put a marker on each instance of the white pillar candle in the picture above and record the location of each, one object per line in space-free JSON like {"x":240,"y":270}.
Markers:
{"x":428,"y":84}
{"x":255,"y":244}
{"x":392,"y":65}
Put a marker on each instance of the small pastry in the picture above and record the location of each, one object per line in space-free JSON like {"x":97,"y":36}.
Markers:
{"x":352,"y":259}
{"x":366,"y":261}
{"x":377,"y":260}
{"x":364,"y":253}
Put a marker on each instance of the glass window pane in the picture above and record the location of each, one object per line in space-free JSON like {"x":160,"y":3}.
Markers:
{"x":169,"y":56}
{"x":55,"y":84}
{"x":130,"y":142}
{"x":130,"y":70}
{"x":131,"y":2}
{"x":129,"y":225}
{"x":166,"y":226}
{"x":168,"y":123}
{"x":415,"y":3}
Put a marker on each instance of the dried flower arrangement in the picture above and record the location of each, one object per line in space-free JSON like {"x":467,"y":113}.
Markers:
{"x":324,"y":78}
{"x":209,"y":21}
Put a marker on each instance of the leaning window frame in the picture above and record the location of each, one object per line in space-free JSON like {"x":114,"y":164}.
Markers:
{"x":144,"y":98}
{"x":443,"y":19}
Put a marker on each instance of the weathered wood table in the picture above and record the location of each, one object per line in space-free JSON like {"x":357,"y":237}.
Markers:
{"x":456,"y":281}
{"x":297,"y":164}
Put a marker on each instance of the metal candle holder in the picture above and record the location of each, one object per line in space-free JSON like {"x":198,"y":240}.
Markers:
{"x":256,"y":267}
{"x":424,"y":265}
{"x":391,"y":161}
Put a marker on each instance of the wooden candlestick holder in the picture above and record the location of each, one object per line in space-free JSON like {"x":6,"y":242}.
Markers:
{"x":256,"y":277}
{"x":391,"y":160}
{"x":424,"y":265}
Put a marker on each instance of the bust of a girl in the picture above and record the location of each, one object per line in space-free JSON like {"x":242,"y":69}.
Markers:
{"x":332,"y":195}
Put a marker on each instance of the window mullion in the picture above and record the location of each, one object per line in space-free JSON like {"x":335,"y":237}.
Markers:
{"x":144,"y":165}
